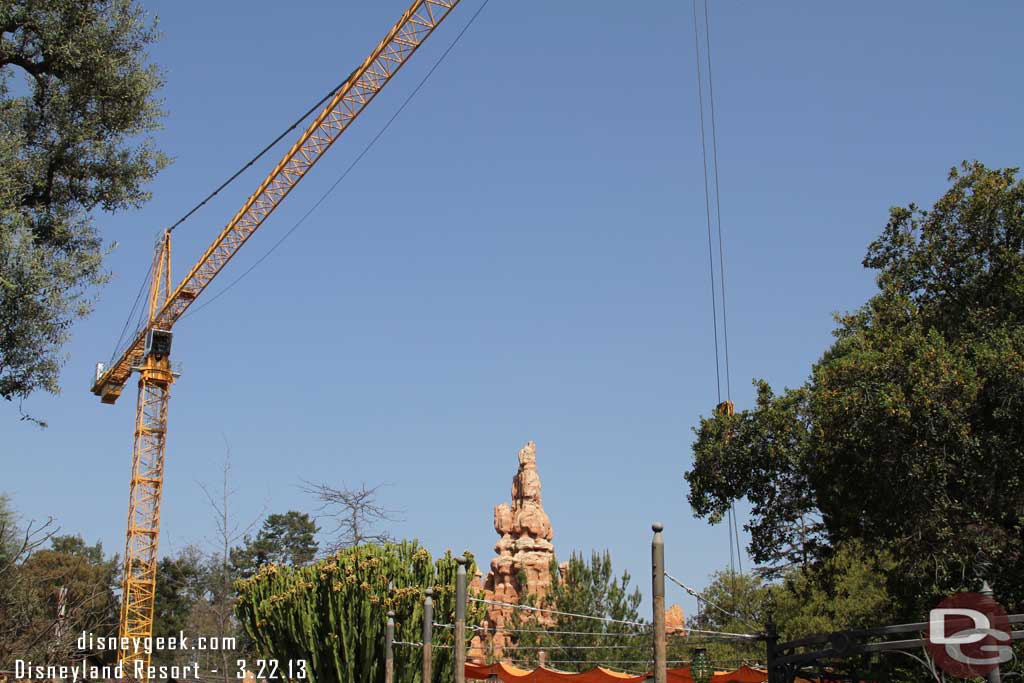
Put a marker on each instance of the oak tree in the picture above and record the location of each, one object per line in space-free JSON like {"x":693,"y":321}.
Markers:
{"x":908,"y":436}
{"x":78,"y":104}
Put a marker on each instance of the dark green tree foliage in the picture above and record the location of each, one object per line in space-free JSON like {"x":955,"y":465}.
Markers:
{"x":333,"y":613}
{"x":50,"y":596}
{"x":909,"y":434}
{"x":731,"y":603}
{"x":77,"y":102}
{"x":288,"y":539}
{"x":586,"y":588}
{"x":847,"y":591}
{"x":74,"y":545}
{"x":90,"y":585}
{"x":182,"y":582}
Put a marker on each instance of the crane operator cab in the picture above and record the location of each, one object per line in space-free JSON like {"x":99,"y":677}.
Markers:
{"x":158,"y":343}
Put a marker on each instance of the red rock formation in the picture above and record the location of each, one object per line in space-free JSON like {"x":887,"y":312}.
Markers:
{"x":675,"y":621}
{"x":523,"y":549}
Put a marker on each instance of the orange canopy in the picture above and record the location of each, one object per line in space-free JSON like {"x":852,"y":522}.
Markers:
{"x":510,"y":674}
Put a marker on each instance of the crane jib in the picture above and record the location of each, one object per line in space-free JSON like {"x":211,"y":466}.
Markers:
{"x":415,"y":25}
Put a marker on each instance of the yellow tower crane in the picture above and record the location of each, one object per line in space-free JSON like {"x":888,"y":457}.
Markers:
{"x":149,"y":352}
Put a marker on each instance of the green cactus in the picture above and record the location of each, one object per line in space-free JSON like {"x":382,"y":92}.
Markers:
{"x":333,"y":613}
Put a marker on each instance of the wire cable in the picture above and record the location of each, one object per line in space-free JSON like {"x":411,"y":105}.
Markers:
{"x":736,"y":533}
{"x":691,"y":591}
{"x":710,"y":635}
{"x":234,"y":176}
{"x":707,"y":202}
{"x":569,"y":647}
{"x":530,"y":608}
{"x":718,"y":203}
{"x":603,"y":634}
{"x":348,"y":170}
{"x":735,"y":547}
{"x":266,"y":149}
{"x":605,"y":661}
{"x":729,"y":662}
{"x":131,"y":313}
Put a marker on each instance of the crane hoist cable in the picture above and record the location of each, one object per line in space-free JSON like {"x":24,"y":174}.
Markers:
{"x":735,"y":536}
{"x":270,"y":146}
{"x":344,"y":174}
{"x":131,"y":313}
{"x":205,"y":200}
{"x":718,"y":202}
{"x":707,"y":201}
{"x":726,"y":407}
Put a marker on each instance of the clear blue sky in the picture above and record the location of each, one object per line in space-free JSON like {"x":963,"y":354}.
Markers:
{"x":523,"y":256}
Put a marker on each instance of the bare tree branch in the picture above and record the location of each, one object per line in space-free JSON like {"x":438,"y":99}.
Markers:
{"x":229,"y":532}
{"x":355,"y":512}
{"x":30,"y":540}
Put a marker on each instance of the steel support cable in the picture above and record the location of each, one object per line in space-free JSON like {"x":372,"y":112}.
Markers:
{"x":530,"y":608}
{"x":701,"y":598}
{"x":234,"y":176}
{"x":736,"y":533}
{"x":732,"y":544}
{"x":256,"y":158}
{"x":569,"y":647}
{"x":412,"y":644}
{"x":721,"y":254}
{"x":735,"y":549}
{"x":726,"y":634}
{"x":605,"y":661}
{"x":707,"y":202}
{"x":601,"y":634}
{"x":348,"y":170}
{"x":705,"y":635}
{"x":711,"y":257}
{"x":131,"y":313}
{"x":729,"y":662}
{"x":718,"y":203}
{"x":690,"y":642}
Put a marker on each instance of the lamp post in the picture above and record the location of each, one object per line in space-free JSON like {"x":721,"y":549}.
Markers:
{"x":700,"y":666}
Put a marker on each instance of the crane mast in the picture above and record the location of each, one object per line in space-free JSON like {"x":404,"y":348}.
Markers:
{"x":148,"y":353}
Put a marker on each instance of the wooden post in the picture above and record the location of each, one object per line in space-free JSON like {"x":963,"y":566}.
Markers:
{"x":658,"y":593}
{"x":771,"y":641}
{"x":994,"y":676}
{"x":428,"y":636}
{"x":389,"y":650}
{"x":460,"y":622}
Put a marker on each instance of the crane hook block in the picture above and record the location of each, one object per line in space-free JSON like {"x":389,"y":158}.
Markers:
{"x":725,"y":408}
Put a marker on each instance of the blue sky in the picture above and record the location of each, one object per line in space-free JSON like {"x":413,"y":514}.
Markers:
{"x":522,"y":256}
